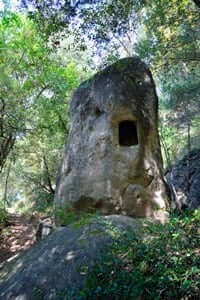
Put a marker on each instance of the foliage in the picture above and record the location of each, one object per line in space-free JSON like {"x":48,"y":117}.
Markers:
{"x":39,"y":153}
{"x":165,"y":34}
{"x":170,"y":33}
{"x":21,"y":68}
{"x":53,"y":17}
{"x":64,"y":216}
{"x":179,"y":115}
{"x":47,"y":52}
{"x":164,"y":266}
{"x":32,"y":83}
{"x":67,"y":215}
{"x":23,"y":78}
{"x":3,"y":215}
{"x":169,"y":43}
{"x":36,"y":86}
{"x":163,"y":26}
{"x":103,"y":27}
{"x":43,"y":58}
{"x":163,"y":263}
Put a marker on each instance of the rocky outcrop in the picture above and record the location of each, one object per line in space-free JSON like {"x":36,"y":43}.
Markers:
{"x":45,"y":227}
{"x":184,"y":182}
{"x":58,"y":264}
{"x":112,"y":161}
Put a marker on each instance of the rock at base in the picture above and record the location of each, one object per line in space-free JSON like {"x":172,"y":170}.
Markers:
{"x":185,"y":194}
{"x":44,"y":228}
{"x":56,"y":263}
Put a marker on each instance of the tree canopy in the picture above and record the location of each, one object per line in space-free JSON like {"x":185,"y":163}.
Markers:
{"x":35,"y":89}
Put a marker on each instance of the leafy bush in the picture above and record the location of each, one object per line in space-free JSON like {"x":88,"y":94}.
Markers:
{"x":3,"y":216}
{"x":164,"y":265}
{"x":40,"y":204}
{"x":64,"y":216}
{"x":67,"y":215}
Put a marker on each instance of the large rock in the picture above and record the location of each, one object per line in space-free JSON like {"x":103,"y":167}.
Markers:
{"x":59,"y":263}
{"x":184,"y":183}
{"x":112,"y":160}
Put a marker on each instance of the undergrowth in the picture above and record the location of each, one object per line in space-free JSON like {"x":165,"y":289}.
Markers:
{"x":164,"y":265}
{"x":3,"y":215}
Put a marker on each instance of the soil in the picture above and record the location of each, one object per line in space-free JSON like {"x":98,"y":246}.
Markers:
{"x":18,"y":236}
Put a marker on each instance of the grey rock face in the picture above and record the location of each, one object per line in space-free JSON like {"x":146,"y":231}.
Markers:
{"x":112,"y":160}
{"x":187,"y":193}
{"x":55,"y":265}
{"x":44,"y":228}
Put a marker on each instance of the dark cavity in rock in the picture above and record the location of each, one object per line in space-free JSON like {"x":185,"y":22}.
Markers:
{"x":127,"y":133}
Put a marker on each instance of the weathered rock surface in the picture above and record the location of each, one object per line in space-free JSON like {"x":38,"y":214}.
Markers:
{"x":44,"y":228}
{"x":112,"y":160}
{"x":177,"y":179}
{"x":55,"y":264}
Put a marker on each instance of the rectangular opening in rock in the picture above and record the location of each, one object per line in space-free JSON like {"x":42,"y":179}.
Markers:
{"x":128,"y":133}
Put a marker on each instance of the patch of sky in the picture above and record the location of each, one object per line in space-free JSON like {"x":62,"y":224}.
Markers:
{"x":1,"y":5}
{"x":15,"y":5}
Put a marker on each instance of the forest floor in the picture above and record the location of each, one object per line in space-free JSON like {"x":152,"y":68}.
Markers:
{"x":18,"y":236}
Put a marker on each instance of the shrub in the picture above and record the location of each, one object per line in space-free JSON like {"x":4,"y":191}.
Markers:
{"x":164,"y":265}
{"x":3,"y":216}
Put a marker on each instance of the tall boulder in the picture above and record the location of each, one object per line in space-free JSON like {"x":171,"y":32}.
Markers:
{"x":112,"y":161}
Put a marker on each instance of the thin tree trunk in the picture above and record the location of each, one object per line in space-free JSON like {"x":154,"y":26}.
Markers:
{"x":48,"y":174}
{"x":174,"y":193}
{"x":172,"y":188}
{"x":5,"y":198}
{"x":188,"y":156}
{"x":167,"y":156}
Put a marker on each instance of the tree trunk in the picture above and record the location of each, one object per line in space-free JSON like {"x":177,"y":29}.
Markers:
{"x":172,"y":188}
{"x":5,"y":198}
{"x":48,"y":175}
{"x":188,"y":157}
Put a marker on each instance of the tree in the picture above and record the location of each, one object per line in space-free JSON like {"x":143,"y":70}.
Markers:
{"x":42,"y":62}
{"x":36,"y":86}
{"x":21,"y":83}
{"x":40,"y":151}
{"x":105,"y":23}
{"x":171,"y":33}
{"x":30,"y":80}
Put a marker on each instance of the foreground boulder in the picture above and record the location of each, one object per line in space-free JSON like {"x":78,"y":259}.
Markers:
{"x":57,"y":264}
{"x":112,"y":161}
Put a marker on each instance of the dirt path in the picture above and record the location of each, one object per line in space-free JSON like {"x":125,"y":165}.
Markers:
{"x":17,"y":237}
